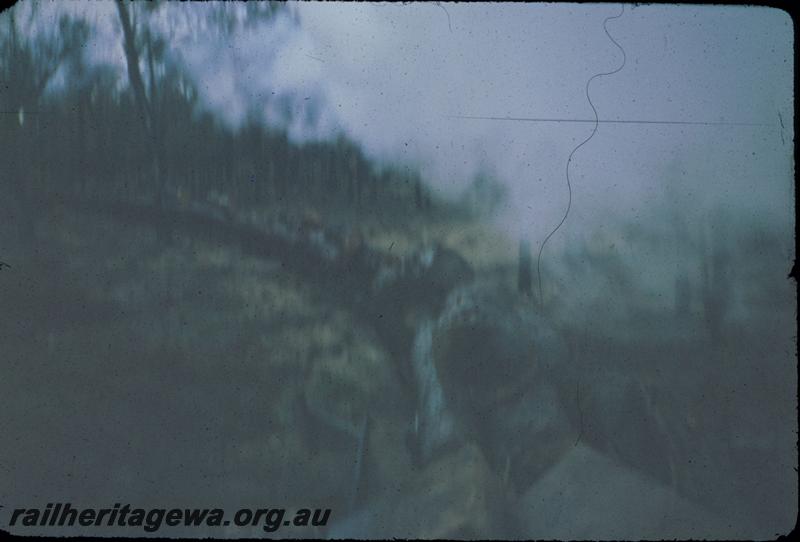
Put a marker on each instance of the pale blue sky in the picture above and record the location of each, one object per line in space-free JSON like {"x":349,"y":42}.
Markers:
{"x":387,"y":75}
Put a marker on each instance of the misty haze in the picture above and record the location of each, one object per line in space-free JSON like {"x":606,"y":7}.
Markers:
{"x":450,"y":270}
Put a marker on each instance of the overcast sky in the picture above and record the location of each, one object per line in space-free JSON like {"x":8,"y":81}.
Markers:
{"x":388,"y":75}
{"x":392,"y":72}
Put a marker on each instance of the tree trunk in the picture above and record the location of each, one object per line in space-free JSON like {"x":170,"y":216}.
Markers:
{"x":524,"y":283}
{"x":144,"y":105}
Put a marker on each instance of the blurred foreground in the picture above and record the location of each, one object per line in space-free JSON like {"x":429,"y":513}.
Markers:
{"x":186,"y":371}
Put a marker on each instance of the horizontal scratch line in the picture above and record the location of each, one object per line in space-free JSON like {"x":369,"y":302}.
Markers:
{"x":623,"y":121}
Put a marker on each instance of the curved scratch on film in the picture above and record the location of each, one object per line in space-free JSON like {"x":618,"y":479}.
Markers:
{"x":569,"y":160}
{"x":448,"y":15}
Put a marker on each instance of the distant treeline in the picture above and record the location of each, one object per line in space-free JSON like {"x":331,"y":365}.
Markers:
{"x":94,"y":139}
{"x":151,"y":134}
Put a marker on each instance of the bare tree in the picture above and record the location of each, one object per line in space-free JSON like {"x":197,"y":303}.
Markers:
{"x":28,"y":62}
{"x":524,"y":281}
{"x":144,"y":102}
